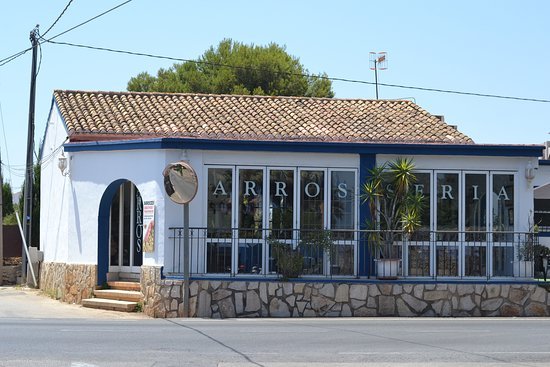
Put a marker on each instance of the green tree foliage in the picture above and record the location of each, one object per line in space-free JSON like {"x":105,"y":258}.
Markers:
{"x":257,"y":70}
{"x":7,"y":200}
{"x":35,"y":230}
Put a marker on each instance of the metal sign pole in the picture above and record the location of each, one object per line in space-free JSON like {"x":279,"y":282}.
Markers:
{"x":180,"y":183}
{"x":186,"y":260}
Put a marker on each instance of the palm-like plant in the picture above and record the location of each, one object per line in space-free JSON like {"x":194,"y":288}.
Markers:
{"x":395,"y":207}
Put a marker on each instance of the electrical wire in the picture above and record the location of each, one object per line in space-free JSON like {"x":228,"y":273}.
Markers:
{"x":132,"y":53}
{"x":59,"y":17}
{"x":14,"y":56}
{"x":8,"y":59}
{"x":89,"y":20}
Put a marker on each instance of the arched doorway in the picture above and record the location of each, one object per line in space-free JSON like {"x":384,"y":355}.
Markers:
{"x":120,"y":226}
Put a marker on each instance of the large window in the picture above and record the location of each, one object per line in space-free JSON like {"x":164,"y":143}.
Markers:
{"x":342,"y":202}
{"x":475,"y":224}
{"x":447,"y":203}
{"x":542,"y":214}
{"x":503,"y":225}
{"x":126,"y":229}
{"x":342,"y":220}
{"x":219,"y":219}
{"x":419,"y":247}
{"x":250,"y":203}
{"x":281,"y":203}
{"x":312,"y":200}
{"x":466,"y":206}
{"x":291,"y":205}
{"x":219,"y":199}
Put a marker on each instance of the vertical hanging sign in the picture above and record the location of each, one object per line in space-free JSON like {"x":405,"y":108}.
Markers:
{"x":149,"y":226}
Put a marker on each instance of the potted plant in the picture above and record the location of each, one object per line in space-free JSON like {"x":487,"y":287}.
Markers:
{"x":306,"y":258}
{"x":526,"y":251}
{"x":289,"y":261}
{"x":395,"y":211}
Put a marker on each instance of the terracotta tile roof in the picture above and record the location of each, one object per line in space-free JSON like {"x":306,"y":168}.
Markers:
{"x":126,"y":115}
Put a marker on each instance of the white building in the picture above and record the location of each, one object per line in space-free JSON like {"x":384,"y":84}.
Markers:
{"x":265,"y":164}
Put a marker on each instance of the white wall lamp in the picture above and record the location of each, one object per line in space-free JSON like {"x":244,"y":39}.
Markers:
{"x":529,"y":171}
{"x":62,"y":164}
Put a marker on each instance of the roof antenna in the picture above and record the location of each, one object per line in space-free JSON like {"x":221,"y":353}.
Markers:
{"x":378,"y":61}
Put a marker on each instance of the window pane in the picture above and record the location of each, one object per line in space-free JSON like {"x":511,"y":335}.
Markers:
{"x":476,"y":261}
{"x":342,"y":205}
{"x":218,"y":257}
{"x":503,"y":206}
{"x":250,"y":258}
{"x":281,"y":203}
{"x":447,"y":205}
{"x":542,"y":214}
{"x":312,"y":202}
{"x":447,"y":260}
{"x":115,"y":228}
{"x":342,"y":263}
{"x":419,"y":260}
{"x":250,"y":203}
{"x":423,"y":186}
{"x":476,"y":207}
{"x":126,"y":229}
{"x":219,"y":201}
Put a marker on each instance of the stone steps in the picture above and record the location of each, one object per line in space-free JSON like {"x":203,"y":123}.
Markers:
{"x":118,"y":295}
{"x":125,"y":286}
{"x":109,"y":304}
{"x":122,"y":296}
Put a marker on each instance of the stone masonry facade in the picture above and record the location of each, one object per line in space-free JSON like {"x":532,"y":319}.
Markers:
{"x":69,"y":283}
{"x":225,"y":299}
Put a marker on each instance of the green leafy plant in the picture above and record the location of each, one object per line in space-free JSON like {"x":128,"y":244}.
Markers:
{"x":527,"y":249}
{"x":290,"y":261}
{"x":306,"y":258}
{"x":395,"y":207}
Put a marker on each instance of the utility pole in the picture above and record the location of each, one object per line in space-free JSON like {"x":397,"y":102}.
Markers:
{"x":27,"y":207}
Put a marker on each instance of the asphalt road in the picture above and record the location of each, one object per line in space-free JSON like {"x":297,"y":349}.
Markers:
{"x":56,"y":334}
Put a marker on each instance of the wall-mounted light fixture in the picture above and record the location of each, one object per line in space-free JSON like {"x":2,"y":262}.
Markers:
{"x":62,"y":164}
{"x":529,"y":171}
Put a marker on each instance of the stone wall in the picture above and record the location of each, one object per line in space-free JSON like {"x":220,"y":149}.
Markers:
{"x":151,"y":289}
{"x":224,"y":299}
{"x":68,"y":282}
{"x":10,"y":274}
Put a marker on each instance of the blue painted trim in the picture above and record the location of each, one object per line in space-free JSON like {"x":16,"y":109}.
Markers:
{"x":103,"y":230}
{"x":544,"y":162}
{"x":359,"y":280}
{"x":544,"y":234}
{"x":366,"y":163}
{"x":310,"y":147}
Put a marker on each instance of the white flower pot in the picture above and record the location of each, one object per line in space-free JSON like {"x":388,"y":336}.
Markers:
{"x":387,"y":268}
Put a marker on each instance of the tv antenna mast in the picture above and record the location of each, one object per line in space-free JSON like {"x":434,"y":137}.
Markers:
{"x":378,"y":61}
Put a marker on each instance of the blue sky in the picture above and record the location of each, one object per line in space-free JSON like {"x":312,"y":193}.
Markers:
{"x":491,"y":47}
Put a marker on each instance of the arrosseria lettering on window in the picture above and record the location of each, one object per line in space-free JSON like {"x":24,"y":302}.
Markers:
{"x":311,"y":189}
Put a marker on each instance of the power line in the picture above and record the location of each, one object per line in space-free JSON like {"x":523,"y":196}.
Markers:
{"x":301,"y":74}
{"x":14,"y":56}
{"x":59,"y":17}
{"x":21,"y":53}
{"x":89,"y":20}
